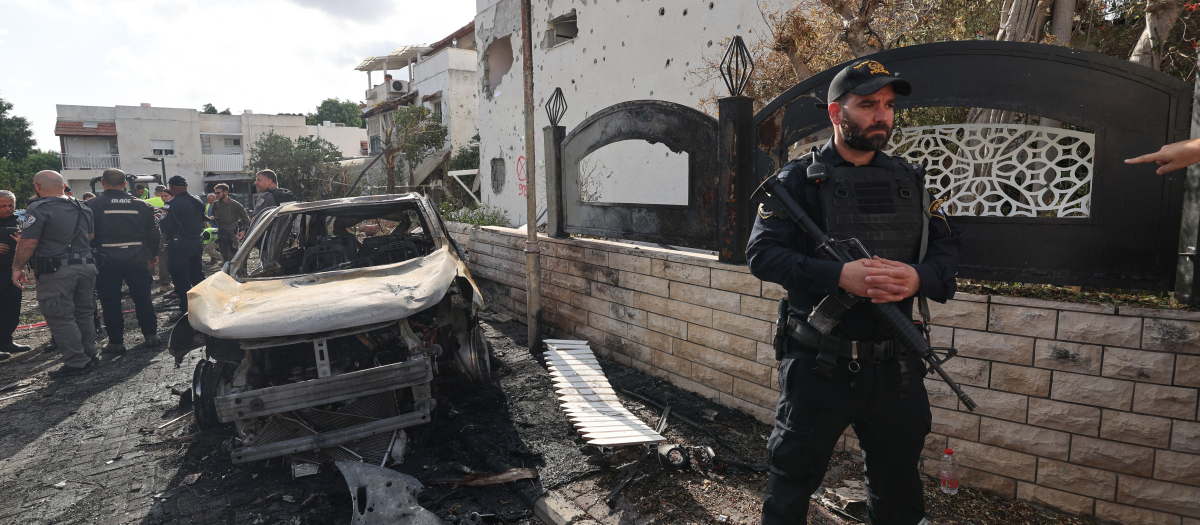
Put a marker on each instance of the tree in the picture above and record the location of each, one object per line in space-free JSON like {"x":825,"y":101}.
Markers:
{"x":210,"y":109}
{"x":308,"y":165}
{"x":336,"y":111}
{"x":1161,"y":15}
{"x":16,"y":139}
{"x":416,"y":131}
{"x":17,"y":177}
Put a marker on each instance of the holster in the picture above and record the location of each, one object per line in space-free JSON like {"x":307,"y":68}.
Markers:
{"x":45,"y":265}
{"x":781,"y":330}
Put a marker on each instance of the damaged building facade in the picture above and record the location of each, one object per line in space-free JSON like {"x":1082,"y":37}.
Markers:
{"x":598,"y":55}
{"x":439,"y":76}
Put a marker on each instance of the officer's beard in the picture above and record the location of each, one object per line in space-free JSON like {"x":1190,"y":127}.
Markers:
{"x":857,"y":138}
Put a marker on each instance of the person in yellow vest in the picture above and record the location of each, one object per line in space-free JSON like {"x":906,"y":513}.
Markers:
{"x":164,"y":276}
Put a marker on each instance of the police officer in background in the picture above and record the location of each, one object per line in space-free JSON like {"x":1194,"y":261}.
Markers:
{"x":270,"y":194}
{"x":56,"y":234}
{"x":865,"y":379}
{"x":182,"y":227}
{"x":128,"y":238}
{"x":10,"y":295}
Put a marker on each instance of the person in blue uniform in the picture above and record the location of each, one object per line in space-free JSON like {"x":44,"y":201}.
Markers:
{"x":182,"y":226}
{"x":127,"y":236}
{"x":874,"y":385}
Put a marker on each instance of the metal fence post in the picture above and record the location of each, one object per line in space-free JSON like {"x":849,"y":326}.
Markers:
{"x":735,"y":142}
{"x":1187,"y":275}
{"x":735,"y":153}
{"x":556,"y":107}
{"x":554,"y":192}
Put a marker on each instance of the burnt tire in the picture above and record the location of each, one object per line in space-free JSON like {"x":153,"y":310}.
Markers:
{"x":204,"y":392}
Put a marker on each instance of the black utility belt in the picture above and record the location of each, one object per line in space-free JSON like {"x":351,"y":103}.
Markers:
{"x":51,"y":265}
{"x":815,"y":343}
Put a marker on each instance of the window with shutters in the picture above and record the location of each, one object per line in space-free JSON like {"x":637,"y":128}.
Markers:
{"x":162,"y":147}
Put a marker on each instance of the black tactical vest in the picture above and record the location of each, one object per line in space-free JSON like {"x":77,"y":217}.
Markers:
{"x":878,"y":206}
{"x":123,"y":236}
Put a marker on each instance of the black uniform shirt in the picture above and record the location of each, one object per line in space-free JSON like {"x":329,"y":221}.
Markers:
{"x":185,"y":217}
{"x":6,"y":259}
{"x":146,"y":230}
{"x":779,"y":251}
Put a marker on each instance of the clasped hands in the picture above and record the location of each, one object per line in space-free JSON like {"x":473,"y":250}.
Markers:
{"x":880,"y":280}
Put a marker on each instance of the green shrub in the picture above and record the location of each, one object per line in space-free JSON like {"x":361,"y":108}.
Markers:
{"x":478,"y":214}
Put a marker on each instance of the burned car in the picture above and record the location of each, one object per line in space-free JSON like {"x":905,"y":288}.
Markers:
{"x":322,"y":335}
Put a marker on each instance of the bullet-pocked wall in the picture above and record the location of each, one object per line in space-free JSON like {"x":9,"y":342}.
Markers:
{"x":1091,"y":409}
{"x":599,"y":53}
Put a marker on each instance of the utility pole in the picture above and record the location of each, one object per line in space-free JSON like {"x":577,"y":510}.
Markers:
{"x":533,"y":261}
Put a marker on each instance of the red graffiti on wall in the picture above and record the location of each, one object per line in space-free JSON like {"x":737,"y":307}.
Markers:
{"x":521,"y":189}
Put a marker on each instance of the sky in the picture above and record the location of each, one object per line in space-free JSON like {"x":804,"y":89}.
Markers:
{"x":269,"y":56}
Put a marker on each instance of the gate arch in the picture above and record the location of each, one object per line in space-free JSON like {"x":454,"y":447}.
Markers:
{"x":680,"y":128}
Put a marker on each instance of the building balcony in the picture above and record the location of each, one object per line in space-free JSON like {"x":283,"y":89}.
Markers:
{"x":224,"y":162}
{"x":90,"y":162}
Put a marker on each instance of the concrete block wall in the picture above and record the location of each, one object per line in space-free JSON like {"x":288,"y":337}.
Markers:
{"x":1085,"y":408}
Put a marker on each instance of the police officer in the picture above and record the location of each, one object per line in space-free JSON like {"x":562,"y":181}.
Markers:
{"x":55,"y":234}
{"x":128,"y":238}
{"x":864,"y":379}
{"x":10,"y":295}
{"x":270,"y":194}
{"x":182,"y":226}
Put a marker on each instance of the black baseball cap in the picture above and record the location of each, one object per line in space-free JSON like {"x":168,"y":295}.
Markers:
{"x":864,"y":77}
{"x":177,"y":181}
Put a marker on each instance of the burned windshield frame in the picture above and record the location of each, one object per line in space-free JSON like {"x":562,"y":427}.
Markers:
{"x":279,"y":232}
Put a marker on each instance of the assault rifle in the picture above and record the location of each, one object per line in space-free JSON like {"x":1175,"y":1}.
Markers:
{"x":900,"y":326}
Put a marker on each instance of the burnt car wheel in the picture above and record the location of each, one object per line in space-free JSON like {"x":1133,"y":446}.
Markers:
{"x":204,"y":393}
{"x":474,"y":358}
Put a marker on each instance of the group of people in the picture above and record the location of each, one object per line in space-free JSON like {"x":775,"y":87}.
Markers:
{"x":81,"y":250}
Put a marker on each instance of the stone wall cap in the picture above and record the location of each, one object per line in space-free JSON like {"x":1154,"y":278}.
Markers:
{"x":1159,"y":313}
{"x":666,"y":254}
{"x":1056,"y":305}
{"x":972,"y":297}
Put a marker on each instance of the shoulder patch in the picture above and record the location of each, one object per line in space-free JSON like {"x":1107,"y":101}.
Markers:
{"x":935,"y":207}
{"x":29,"y":220}
{"x":765,"y":212}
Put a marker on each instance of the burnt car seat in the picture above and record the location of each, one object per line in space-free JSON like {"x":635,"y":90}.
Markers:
{"x":328,"y":254}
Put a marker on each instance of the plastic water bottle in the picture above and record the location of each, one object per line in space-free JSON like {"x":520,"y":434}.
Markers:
{"x":949,"y":473}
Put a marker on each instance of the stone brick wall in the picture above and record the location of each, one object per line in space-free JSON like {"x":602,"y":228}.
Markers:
{"x":1089,"y":409}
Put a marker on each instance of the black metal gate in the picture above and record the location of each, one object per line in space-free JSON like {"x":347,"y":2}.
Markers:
{"x":1131,"y":238}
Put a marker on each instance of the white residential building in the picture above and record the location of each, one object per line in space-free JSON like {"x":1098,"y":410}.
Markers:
{"x":599,"y":54}
{"x":440,"y":76}
{"x":203,"y":148}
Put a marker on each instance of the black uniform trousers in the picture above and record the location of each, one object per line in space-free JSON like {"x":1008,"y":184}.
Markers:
{"x":813,"y":412}
{"x":186,"y":267}
{"x":10,"y":312}
{"x":225,"y":244}
{"x":136,"y":274}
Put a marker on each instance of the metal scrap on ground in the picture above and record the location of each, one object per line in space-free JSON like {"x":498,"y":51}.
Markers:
{"x":589,"y":401}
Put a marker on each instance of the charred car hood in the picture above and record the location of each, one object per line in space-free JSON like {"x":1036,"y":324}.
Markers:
{"x":220,"y":306}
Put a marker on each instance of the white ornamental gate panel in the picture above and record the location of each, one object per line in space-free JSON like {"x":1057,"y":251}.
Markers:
{"x":1003,"y":170}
